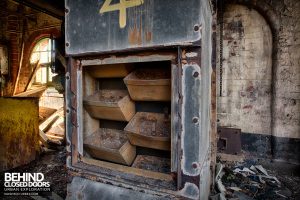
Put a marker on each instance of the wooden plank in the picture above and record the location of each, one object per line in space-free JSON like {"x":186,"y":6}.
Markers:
{"x":45,"y":113}
{"x":19,"y":70}
{"x":56,"y":130}
{"x":37,"y":92}
{"x":48,"y":142}
{"x":111,"y":145}
{"x":47,"y":123}
{"x":54,"y":137}
{"x":43,"y":138}
{"x":129,"y":170}
{"x":29,"y":83}
{"x":110,"y":71}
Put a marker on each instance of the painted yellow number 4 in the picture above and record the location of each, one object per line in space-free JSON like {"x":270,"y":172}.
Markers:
{"x":122,"y":6}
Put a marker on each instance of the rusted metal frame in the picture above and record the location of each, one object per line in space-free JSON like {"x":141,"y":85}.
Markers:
{"x":128,"y":58}
{"x":138,"y":34}
{"x":205,"y":177}
{"x":125,"y":176}
{"x":72,"y":108}
{"x":98,"y":177}
{"x":175,"y":115}
{"x":137,"y":49}
{"x":213,"y":128}
{"x":178,"y":147}
{"x":82,"y":167}
{"x":68,"y":109}
{"x":144,"y":52}
{"x":189,"y":177}
{"x":79,"y":108}
{"x":77,"y":159}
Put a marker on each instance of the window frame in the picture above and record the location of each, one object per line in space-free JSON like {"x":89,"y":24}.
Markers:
{"x":50,"y":57}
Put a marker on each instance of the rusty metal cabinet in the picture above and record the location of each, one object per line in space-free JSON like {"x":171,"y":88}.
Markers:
{"x":176,"y":33}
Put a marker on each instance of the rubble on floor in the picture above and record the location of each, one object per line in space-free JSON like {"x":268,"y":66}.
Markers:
{"x":53,"y":165}
{"x":250,"y":180}
{"x":51,"y":128}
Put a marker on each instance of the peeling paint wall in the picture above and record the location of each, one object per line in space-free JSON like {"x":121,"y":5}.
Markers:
{"x":247,"y":71}
{"x":287,"y":73}
{"x":261,"y":76}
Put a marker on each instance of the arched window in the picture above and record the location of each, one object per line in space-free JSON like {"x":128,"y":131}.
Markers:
{"x":43,"y":52}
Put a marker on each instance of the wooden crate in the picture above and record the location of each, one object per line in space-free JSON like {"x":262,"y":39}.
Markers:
{"x":111,"y":105}
{"x":110,"y":71}
{"x":149,"y":85}
{"x":151,"y":130}
{"x":152,"y":163}
{"x":110,"y":145}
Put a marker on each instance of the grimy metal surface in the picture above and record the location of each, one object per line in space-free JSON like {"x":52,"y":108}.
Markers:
{"x":190,"y":161}
{"x":86,"y":189}
{"x":191,"y":96}
{"x":94,"y":26}
{"x":229,"y":140}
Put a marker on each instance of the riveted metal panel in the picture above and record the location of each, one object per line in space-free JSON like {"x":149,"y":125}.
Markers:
{"x":86,"y":189}
{"x":191,"y":114}
{"x":105,"y":25}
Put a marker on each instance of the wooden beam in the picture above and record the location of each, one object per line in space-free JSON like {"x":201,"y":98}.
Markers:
{"x":51,"y":7}
{"x":19,"y":70}
{"x":29,"y":83}
{"x":37,"y":92}
{"x":43,"y":138}
{"x":48,"y":122}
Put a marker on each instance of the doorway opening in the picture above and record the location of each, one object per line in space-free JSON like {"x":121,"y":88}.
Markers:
{"x":45,"y":75}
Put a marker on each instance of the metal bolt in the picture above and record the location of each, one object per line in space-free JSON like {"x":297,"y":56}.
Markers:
{"x":196,"y":74}
{"x":67,"y":10}
{"x":194,"y":165}
{"x":67,"y":44}
{"x":68,"y":77}
{"x":68,"y":110}
{"x":196,"y":28}
{"x":195,"y":120}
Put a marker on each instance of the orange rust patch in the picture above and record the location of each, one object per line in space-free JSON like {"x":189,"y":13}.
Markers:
{"x":135,"y":35}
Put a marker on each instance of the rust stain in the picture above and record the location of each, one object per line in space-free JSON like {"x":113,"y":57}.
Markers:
{"x":248,"y":107}
{"x":135,"y":35}
{"x":191,"y":179}
{"x":148,"y":36}
{"x":135,"y":32}
{"x":250,"y":88}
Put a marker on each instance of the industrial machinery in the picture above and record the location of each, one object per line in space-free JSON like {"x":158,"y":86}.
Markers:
{"x":138,"y":98}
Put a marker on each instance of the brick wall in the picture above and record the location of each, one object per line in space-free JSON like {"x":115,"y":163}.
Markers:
{"x":11,"y":35}
{"x":15,"y":18}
